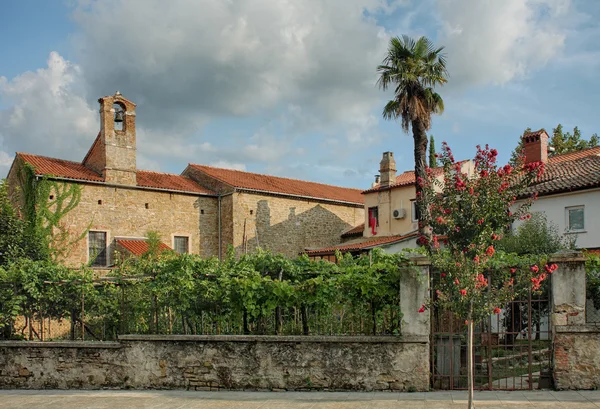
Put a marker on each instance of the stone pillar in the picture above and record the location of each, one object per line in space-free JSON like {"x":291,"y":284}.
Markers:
{"x":568,"y":283}
{"x":575,"y":346}
{"x":414,"y":292}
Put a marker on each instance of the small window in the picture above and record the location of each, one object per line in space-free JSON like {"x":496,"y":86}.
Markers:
{"x":373,"y":216}
{"x":415,"y":213}
{"x":181,"y":244}
{"x":575,"y":218}
{"x":97,"y":248}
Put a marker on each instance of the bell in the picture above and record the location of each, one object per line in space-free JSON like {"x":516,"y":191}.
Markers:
{"x":119,"y":116}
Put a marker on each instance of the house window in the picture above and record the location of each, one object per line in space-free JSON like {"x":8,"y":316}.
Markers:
{"x":575,"y":219}
{"x":97,"y":248}
{"x":373,"y":216}
{"x":181,"y":244}
{"x":415,"y":213}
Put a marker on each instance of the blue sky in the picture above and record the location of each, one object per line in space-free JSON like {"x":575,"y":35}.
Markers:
{"x":288,"y":88}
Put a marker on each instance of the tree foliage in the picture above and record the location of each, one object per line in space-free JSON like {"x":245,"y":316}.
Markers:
{"x":468,"y":215}
{"x":536,"y":235}
{"x":17,"y":239}
{"x":562,"y":142}
{"x":46,"y":203}
{"x":432,"y":155}
{"x":592,"y":268}
{"x":414,"y":69}
{"x":259,"y":293}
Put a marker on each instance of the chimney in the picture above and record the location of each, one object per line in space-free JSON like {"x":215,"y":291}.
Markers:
{"x":387,"y":169}
{"x":536,"y":146}
{"x":377,"y":180}
{"x":114,"y":153}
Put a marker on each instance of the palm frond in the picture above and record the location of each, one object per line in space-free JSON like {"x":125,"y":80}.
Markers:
{"x":416,"y":67}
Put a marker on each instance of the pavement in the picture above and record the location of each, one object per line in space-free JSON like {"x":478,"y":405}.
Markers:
{"x":119,"y":399}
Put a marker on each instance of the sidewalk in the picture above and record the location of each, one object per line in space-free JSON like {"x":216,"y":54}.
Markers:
{"x":293,"y":400}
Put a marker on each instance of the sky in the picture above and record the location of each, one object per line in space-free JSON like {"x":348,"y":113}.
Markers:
{"x":288,"y":87}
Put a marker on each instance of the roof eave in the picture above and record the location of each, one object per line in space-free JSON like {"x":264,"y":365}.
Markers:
{"x":101,"y":183}
{"x":244,"y":189}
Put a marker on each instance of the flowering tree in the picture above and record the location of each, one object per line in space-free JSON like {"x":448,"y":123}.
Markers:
{"x":467,"y":215}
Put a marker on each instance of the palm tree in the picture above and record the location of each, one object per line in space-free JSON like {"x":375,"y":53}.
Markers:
{"x":414,"y":68}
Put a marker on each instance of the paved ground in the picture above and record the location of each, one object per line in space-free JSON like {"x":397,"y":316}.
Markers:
{"x":293,"y":400}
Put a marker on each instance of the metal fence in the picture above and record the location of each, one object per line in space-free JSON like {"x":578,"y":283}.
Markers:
{"x":511,"y":349}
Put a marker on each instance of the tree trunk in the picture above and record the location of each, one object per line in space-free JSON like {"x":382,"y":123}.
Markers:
{"x":470,"y":359}
{"x":420,"y":139}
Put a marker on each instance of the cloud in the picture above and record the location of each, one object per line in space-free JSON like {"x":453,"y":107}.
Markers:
{"x":5,"y":162}
{"x":47,"y":108}
{"x":186,"y":62}
{"x":494,"y":42}
{"x":228,"y":165}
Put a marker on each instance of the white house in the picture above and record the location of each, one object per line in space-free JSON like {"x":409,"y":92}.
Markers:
{"x":569,"y":189}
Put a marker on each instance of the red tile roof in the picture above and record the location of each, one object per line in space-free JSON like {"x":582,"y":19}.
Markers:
{"x":364,"y":245}
{"x":74,"y":170}
{"x":569,"y":172}
{"x":138,"y":247}
{"x":169,"y":181}
{"x":404,"y":179}
{"x":280,"y":185}
{"x":536,"y":133}
{"x":60,"y":167}
{"x":565,"y":157}
{"x":355,"y":231}
{"x":89,"y":152}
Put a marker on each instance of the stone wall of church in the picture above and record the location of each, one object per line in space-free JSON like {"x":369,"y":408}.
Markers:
{"x":132,"y":212}
{"x":289,"y":225}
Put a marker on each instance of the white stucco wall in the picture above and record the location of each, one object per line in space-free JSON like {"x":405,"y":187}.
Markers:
{"x":554,"y":207}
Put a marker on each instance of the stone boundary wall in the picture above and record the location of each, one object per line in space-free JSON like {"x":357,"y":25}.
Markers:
{"x":577,"y":357}
{"x":220,"y":362}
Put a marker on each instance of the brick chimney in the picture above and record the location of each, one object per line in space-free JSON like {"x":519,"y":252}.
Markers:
{"x":113,"y":154}
{"x":387,"y":169}
{"x":536,"y":146}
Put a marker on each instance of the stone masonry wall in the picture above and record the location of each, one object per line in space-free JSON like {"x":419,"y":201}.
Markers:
{"x":220,"y":362}
{"x":123,"y":212}
{"x":577,"y":357}
{"x":289,"y":225}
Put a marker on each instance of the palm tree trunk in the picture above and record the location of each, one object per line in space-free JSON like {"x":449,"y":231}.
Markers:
{"x":420,"y":138}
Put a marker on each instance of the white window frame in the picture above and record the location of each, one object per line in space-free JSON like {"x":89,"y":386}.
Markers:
{"x":413,"y":211}
{"x":107,"y":248}
{"x":568,"y":221}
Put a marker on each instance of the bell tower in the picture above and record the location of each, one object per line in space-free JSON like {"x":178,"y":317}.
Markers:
{"x":114,"y":151}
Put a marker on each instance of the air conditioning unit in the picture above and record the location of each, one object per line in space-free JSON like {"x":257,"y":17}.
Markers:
{"x":399,"y":214}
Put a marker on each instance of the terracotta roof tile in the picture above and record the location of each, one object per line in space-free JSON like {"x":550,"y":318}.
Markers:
{"x":364,"y":245}
{"x":580,"y":170}
{"x":60,"y":167}
{"x":138,"y":247}
{"x":286,"y":186}
{"x":565,"y":157}
{"x":74,"y":170}
{"x":355,"y":231}
{"x":169,"y":181}
{"x":404,"y":179}
{"x":535,"y":133}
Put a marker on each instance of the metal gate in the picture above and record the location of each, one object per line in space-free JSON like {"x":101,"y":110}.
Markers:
{"x":511,"y":349}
